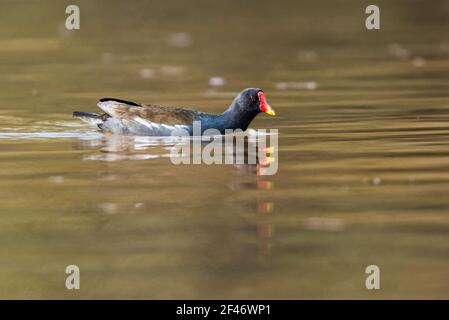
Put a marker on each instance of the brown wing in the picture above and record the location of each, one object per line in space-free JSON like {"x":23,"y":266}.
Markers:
{"x":157,"y":114}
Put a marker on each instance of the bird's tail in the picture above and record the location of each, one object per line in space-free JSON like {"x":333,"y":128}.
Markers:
{"x":89,"y":117}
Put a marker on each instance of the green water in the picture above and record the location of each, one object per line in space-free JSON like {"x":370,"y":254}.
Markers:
{"x":363,"y":151}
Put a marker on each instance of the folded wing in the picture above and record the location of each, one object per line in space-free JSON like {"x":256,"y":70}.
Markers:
{"x":131,"y":111}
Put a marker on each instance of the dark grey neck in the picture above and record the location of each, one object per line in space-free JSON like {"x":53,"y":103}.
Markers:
{"x":235,"y":117}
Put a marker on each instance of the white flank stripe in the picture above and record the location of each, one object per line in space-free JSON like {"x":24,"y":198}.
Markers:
{"x":145,"y":122}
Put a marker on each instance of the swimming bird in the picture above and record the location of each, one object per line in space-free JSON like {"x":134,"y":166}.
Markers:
{"x":131,"y":118}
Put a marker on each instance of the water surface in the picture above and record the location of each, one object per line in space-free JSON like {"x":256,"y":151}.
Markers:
{"x":363,"y":151}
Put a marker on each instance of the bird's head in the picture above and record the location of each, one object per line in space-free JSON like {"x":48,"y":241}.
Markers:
{"x":253,"y":100}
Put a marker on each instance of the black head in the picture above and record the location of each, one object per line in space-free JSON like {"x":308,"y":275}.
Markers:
{"x":253,"y":100}
{"x":245,"y":107}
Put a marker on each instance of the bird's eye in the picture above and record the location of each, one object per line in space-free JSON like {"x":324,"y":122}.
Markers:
{"x":253,"y":98}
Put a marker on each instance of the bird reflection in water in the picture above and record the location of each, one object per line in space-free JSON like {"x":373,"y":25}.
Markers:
{"x":256,"y":210}
{"x":248,"y":154}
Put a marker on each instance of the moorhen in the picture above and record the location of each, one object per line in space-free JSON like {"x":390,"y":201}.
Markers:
{"x":127,"y":117}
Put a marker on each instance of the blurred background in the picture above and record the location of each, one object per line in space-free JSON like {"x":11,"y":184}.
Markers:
{"x":363,"y":151}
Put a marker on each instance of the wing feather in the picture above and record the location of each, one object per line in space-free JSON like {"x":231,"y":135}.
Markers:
{"x":151,"y":113}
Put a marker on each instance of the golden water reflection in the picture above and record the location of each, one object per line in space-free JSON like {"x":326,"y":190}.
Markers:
{"x":363,"y":153}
